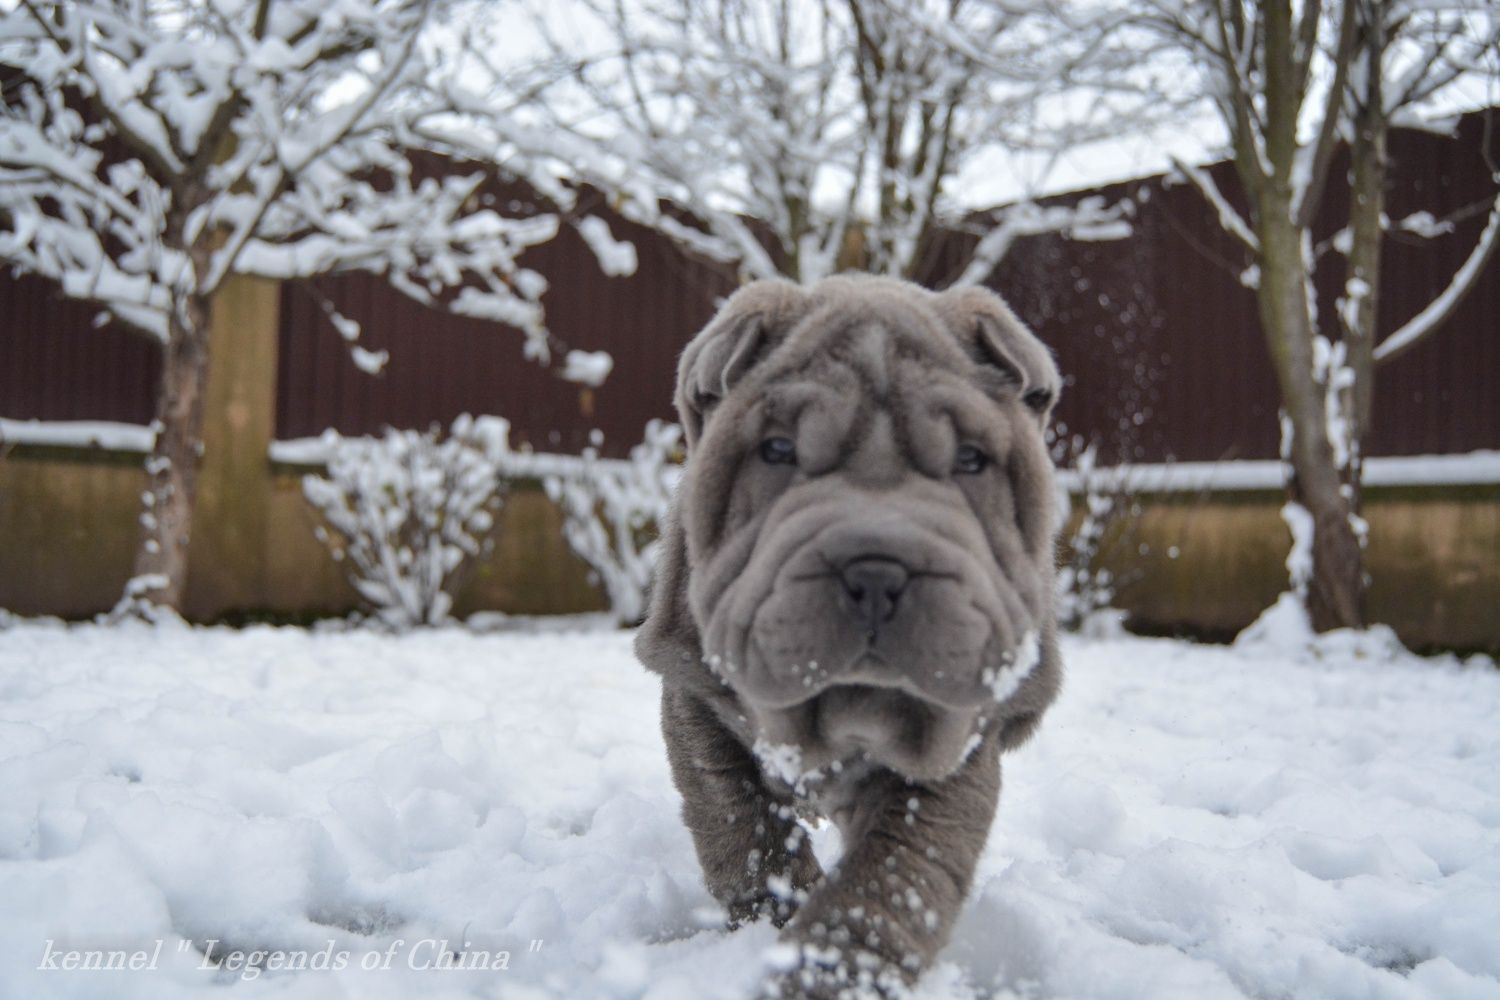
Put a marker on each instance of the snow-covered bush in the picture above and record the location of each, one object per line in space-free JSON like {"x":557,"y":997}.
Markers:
{"x":613,"y":510}
{"x":1085,"y":585}
{"x":408,"y":512}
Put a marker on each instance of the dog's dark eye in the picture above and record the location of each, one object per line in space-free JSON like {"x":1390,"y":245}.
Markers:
{"x":970,"y":460}
{"x":778,"y":451}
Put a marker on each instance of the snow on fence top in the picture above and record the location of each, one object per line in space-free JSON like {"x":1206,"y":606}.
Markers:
{"x":105,"y":435}
{"x":313,"y":452}
{"x":1473,"y":468}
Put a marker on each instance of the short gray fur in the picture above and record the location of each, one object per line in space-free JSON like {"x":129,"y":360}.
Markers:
{"x":862,"y":632}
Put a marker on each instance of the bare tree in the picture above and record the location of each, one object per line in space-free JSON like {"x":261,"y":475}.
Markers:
{"x":797,"y":137}
{"x":150,"y":150}
{"x":1291,"y":84}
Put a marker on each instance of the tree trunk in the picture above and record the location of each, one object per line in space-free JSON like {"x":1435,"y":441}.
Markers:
{"x":1368,"y":165}
{"x":161,"y":561}
{"x":1335,"y":590}
{"x":1362,"y":293}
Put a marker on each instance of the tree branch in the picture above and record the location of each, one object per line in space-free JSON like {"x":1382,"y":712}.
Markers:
{"x":1439,"y":309}
{"x":1234,"y":223}
{"x":1322,"y":148}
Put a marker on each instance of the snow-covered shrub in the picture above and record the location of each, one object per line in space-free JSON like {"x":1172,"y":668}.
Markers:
{"x":1085,"y":586}
{"x":612,"y":511}
{"x":408,"y":512}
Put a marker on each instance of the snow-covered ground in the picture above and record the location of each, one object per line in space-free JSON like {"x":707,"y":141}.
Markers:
{"x":1191,"y":822}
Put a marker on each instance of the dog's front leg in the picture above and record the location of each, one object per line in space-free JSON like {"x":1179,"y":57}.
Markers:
{"x":755,"y":857}
{"x":883,"y":914}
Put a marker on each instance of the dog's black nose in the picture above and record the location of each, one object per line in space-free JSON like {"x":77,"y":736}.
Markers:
{"x":872,"y":586}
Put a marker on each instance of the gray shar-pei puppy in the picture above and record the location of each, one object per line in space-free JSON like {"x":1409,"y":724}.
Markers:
{"x":853,"y":612}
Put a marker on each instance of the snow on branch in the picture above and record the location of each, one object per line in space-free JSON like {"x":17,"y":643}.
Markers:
{"x":148,"y":152}
{"x":1435,"y":45}
{"x":1439,"y":309}
{"x":792,"y":139}
{"x":1229,"y":218}
{"x":1089,"y":220}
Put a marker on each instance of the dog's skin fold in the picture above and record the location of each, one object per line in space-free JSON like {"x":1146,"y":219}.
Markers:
{"x":853,"y":610}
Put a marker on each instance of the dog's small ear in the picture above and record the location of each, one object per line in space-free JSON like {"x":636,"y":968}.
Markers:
{"x":993,"y":335}
{"x":745,"y":329}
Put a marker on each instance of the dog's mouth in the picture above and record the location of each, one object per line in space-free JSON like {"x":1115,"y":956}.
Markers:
{"x":886,"y":726}
{"x":785,"y":676}
{"x":858,"y":717}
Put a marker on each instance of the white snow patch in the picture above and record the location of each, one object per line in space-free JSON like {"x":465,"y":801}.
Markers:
{"x":587,"y":367}
{"x":616,"y":257}
{"x":1283,"y":627}
{"x":309,"y":451}
{"x":104,"y":434}
{"x":369,"y":362}
{"x":1299,"y":561}
{"x":1425,"y":225}
{"x":1016,"y":666}
{"x":1099,"y":232}
{"x":780,"y":760}
{"x":348,"y":328}
{"x":1189,"y":821}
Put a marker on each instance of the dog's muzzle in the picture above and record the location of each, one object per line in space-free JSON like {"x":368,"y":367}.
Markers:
{"x":883,"y":661}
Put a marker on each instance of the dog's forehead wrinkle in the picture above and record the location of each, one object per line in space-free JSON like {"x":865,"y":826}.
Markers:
{"x":814,"y":399}
{"x":812,"y":384}
{"x":858,"y":351}
{"x":873,"y":368}
{"x":869,"y":353}
{"x":877,"y":333}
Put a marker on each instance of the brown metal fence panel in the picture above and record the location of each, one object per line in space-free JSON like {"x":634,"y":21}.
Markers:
{"x":442,"y":365}
{"x":1441,"y":395}
{"x":56,"y":365}
{"x":1156,"y":334}
{"x":1159,"y":341}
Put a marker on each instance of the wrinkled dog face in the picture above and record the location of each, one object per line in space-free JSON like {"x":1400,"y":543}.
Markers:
{"x":869,"y":517}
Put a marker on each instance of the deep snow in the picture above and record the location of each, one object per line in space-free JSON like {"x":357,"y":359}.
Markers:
{"x":1191,"y":821}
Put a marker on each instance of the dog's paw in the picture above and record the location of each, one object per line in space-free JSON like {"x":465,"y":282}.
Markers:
{"x":765,"y":906}
{"x":780,"y":897}
{"x":816,"y":972}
